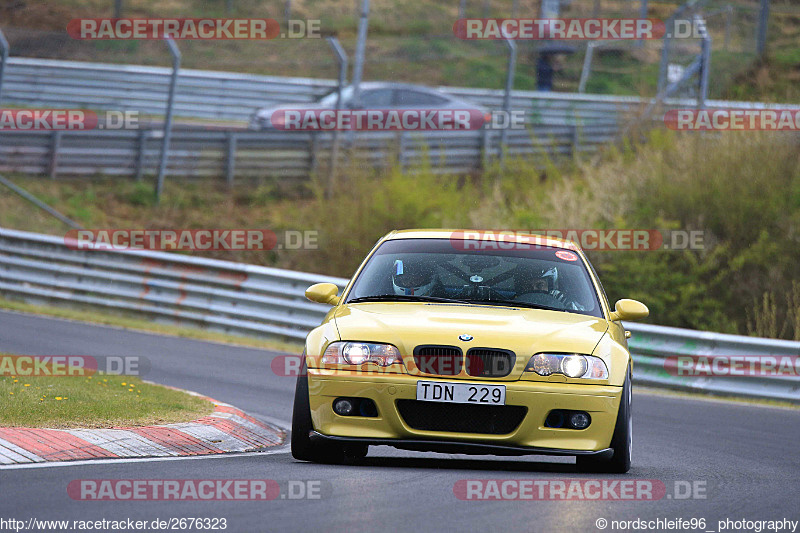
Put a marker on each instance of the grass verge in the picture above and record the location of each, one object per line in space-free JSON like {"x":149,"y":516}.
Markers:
{"x":99,"y":401}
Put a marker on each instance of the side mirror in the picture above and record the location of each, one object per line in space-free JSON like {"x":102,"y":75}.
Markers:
{"x":629,"y":310}
{"x":323,"y":293}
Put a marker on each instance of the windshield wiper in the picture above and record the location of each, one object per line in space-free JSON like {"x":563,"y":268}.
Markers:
{"x":405,"y":298}
{"x":515,"y":303}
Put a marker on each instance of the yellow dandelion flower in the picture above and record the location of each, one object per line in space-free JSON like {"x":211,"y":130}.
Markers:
{"x":123,"y":383}
{"x":11,"y":393}
{"x":27,"y":385}
{"x":130,"y":390}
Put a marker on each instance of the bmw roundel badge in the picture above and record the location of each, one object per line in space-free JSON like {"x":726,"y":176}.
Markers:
{"x":465,"y":337}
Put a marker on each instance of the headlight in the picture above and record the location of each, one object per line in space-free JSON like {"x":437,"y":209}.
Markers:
{"x":571,"y":365}
{"x":358,"y":353}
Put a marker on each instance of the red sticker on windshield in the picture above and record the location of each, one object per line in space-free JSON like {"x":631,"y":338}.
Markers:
{"x":566,"y":256}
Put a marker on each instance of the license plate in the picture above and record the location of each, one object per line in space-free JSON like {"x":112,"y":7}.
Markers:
{"x":431,"y":391}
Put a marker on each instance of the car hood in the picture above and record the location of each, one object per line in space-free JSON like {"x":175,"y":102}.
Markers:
{"x":521,"y":330}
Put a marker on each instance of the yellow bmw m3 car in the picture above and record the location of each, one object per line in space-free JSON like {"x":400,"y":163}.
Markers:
{"x":469,"y":342}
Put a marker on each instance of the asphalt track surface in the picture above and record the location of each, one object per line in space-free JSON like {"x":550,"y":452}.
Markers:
{"x":747,"y":458}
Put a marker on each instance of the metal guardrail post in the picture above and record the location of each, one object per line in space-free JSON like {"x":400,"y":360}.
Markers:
{"x":401,"y":146}
{"x":485,"y":147}
{"x":162,"y":166}
{"x":141,"y":146}
{"x":341,"y":58}
{"x":462,"y":9}
{"x":705,"y":68}
{"x":54,"y":148}
{"x":510,"y":71}
{"x":38,"y":203}
{"x":230,"y":159}
{"x":4,"y":51}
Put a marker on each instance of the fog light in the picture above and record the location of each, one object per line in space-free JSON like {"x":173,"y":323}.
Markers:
{"x":343,"y":407}
{"x":579,"y":420}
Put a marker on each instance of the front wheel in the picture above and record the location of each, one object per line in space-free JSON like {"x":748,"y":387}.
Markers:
{"x":303,"y":448}
{"x":621,"y":441}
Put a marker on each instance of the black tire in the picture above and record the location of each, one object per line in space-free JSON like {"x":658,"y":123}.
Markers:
{"x":303,"y":448}
{"x":621,"y":441}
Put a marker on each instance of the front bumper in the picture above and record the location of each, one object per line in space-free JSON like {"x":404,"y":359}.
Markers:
{"x":531,"y":436}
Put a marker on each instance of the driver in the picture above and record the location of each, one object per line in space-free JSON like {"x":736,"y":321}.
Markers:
{"x":412,"y":277}
{"x":547,"y":283}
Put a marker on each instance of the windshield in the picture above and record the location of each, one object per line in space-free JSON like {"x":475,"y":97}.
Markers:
{"x":436,"y":269}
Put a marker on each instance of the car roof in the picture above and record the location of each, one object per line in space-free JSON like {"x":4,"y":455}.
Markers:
{"x":522,"y":237}
{"x":399,"y":85}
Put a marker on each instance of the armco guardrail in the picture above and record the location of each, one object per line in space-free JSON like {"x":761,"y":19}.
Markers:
{"x":283,"y":155}
{"x":248,"y":299}
{"x":231,"y":96}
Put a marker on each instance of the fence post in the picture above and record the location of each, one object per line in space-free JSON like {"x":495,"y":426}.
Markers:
{"x":642,"y":15}
{"x":341,"y":57}
{"x":705,"y":68}
{"x":512,"y":60}
{"x":4,"y":50}
{"x":162,"y":166}
{"x":230,"y":166}
{"x":55,"y":147}
{"x":361,"y":43}
{"x":141,"y":147}
{"x":462,"y":9}
{"x":587,"y":64}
